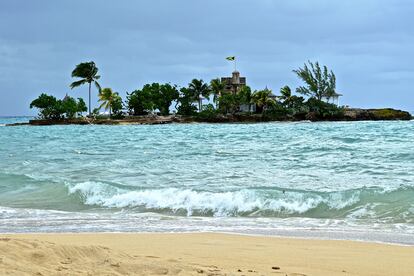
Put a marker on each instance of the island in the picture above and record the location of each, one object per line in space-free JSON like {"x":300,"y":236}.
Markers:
{"x":222,"y":100}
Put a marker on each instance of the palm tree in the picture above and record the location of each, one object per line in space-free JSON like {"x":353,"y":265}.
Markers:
{"x":107,"y":97}
{"x":199,"y":89}
{"x":286,"y":94}
{"x":245,"y":96}
{"x":217,"y":89}
{"x":262,"y":99}
{"x":88,"y":73}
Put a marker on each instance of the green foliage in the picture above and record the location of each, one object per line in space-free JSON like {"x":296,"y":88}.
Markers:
{"x":86,"y":72}
{"x":286,"y":94}
{"x":228,"y":103}
{"x":198,"y":89}
{"x":185,"y":102}
{"x":208,"y":112}
{"x":110,"y":101}
{"x":163,"y":95}
{"x":69,"y":106}
{"x":245,"y":95}
{"x":323,"y":111}
{"x":152,"y":96}
{"x":217,"y":89}
{"x":276,"y":111}
{"x":117,"y":105}
{"x":320,"y":83}
{"x":95,"y":111}
{"x":48,"y":106}
{"x":139,"y":102}
{"x":52,"y":109}
{"x":293,"y":104}
{"x":263,"y":100}
{"x":81,"y":106}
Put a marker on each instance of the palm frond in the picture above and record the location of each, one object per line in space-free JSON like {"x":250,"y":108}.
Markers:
{"x":98,"y":86}
{"x":78,"y":83}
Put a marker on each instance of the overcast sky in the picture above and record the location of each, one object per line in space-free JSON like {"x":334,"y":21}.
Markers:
{"x":369,"y":44}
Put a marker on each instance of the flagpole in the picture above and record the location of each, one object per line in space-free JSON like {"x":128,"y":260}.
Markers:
{"x":235,"y":69}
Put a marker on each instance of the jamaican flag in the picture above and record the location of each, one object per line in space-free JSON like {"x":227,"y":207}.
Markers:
{"x":231,"y":58}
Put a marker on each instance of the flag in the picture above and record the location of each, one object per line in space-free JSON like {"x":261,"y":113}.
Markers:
{"x":231,"y":58}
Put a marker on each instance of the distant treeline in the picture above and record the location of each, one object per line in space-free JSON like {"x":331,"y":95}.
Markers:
{"x":311,"y":99}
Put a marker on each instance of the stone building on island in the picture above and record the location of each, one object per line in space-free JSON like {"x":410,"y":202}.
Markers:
{"x":234,"y":83}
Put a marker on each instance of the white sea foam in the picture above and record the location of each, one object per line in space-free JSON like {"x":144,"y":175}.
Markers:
{"x":219,"y":204}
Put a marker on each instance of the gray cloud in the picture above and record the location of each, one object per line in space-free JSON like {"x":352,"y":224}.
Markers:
{"x":367,"y":43}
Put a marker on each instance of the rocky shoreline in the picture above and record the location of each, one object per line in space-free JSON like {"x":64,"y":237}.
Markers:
{"x":350,"y":114}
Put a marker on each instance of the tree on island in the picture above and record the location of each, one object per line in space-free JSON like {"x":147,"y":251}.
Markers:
{"x":73,"y":108}
{"x":228,"y":103}
{"x":217,"y":88}
{"x":263,"y":100}
{"x":245,"y":96}
{"x":152,"y":96}
{"x":163,"y":95}
{"x":320,"y":83}
{"x":110,"y":100}
{"x":88,"y":73}
{"x":185,"y":102}
{"x":198,"y":90}
{"x":139,"y":102}
{"x":51,"y":108}
{"x":286,"y":94}
{"x":289,"y":100}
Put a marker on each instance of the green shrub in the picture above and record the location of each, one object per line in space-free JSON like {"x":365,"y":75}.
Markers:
{"x":208,"y":113}
{"x":321,"y":110}
{"x":52,"y":109}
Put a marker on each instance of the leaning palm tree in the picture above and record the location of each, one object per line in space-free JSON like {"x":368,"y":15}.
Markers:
{"x":198,"y":90}
{"x":286,"y":94}
{"x":262,"y":99}
{"x":88,"y":73}
{"x":107,"y":97}
{"x":217,"y":88}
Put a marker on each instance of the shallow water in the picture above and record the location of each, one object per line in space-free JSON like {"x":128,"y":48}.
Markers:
{"x":350,"y":180}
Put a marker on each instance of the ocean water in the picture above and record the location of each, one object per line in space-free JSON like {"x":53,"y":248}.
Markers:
{"x":340,"y":180}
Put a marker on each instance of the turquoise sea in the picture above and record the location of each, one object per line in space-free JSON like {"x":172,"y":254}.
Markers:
{"x":340,"y":180}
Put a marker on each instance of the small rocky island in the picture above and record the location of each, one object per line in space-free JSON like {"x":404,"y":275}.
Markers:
{"x":349,"y":114}
{"x":229,"y":100}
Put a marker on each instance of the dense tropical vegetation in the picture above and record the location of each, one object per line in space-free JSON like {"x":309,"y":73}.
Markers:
{"x":51,"y":108}
{"x":310,"y":102}
{"x":151,"y":97}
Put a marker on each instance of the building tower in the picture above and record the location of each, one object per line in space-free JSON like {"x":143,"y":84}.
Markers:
{"x":234,"y":83}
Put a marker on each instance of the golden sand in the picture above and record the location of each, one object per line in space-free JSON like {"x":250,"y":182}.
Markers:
{"x":196,"y":254}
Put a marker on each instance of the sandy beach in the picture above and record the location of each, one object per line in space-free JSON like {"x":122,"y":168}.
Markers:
{"x":196,"y":254}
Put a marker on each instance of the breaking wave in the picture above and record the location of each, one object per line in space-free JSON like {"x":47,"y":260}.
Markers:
{"x":268,"y":202}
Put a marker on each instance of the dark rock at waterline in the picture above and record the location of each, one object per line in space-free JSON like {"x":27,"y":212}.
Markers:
{"x":358,"y":114}
{"x":17,"y":124}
